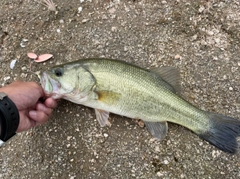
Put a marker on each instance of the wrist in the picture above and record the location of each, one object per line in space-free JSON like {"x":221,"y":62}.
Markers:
{"x":9,"y":118}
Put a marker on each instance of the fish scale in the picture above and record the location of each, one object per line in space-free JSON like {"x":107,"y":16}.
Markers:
{"x":113,"y":86}
{"x":157,"y":96}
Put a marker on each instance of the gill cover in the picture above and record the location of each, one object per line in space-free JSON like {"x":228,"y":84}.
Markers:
{"x":75,"y":81}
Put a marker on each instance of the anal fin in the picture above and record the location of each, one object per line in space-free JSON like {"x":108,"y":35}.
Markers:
{"x":157,"y":129}
{"x":102,"y":117}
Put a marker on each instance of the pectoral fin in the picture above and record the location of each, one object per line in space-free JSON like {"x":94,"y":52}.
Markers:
{"x":157,"y":129}
{"x":108,"y":97}
{"x":102,"y":117}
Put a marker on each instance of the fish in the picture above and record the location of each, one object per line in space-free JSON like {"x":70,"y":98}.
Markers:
{"x":115,"y":86}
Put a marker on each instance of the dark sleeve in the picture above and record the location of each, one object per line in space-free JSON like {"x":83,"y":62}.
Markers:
{"x":9,"y":118}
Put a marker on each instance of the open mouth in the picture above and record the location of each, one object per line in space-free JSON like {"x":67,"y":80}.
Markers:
{"x":43,"y":78}
{"x":45,"y":83}
{"x":50,"y":86}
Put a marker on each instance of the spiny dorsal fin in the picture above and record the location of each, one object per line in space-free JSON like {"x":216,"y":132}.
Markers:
{"x":171,"y":75}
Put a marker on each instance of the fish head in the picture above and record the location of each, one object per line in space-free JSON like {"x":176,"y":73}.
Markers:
{"x":71,"y":82}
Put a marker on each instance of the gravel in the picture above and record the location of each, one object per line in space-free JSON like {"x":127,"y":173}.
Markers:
{"x":201,"y":38}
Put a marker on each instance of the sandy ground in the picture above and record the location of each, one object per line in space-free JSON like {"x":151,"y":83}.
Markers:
{"x":201,"y":38}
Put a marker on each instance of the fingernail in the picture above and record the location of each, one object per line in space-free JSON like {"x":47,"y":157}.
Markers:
{"x":33,"y":113}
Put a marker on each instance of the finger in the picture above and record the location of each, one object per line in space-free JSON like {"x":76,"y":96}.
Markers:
{"x":38,"y":87}
{"x":51,"y":103}
{"x":30,"y":85}
{"x":43,"y":108}
{"x":38,"y":116}
{"x":25,"y":123}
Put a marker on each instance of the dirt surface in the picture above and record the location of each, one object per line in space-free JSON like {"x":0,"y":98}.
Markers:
{"x":201,"y":38}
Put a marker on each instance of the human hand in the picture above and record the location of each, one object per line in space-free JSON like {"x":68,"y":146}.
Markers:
{"x":25,"y":96}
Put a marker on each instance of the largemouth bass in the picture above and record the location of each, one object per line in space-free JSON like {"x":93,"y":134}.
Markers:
{"x":128,"y":90}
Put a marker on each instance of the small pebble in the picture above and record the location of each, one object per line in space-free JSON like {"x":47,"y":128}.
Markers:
{"x":177,"y":57}
{"x":12,"y":64}
{"x":112,"y":10}
{"x":166,"y":162}
{"x":114,"y":29}
{"x":25,"y":40}
{"x":141,"y":123}
{"x":69,"y":137}
{"x":157,"y":149}
{"x":85,"y":20}
{"x":6,"y":78}
{"x":79,"y":9}
{"x":159,"y":174}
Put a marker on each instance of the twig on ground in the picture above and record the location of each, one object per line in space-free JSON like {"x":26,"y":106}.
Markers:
{"x":49,"y":4}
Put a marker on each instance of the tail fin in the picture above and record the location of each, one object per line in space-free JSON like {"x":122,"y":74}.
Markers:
{"x":223,"y":132}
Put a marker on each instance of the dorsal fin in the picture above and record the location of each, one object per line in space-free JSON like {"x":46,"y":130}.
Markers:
{"x":170,"y":75}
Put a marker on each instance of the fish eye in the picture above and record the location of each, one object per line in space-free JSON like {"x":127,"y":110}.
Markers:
{"x":58,"y":72}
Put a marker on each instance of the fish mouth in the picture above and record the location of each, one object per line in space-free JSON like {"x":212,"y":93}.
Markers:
{"x":50,"y":86}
